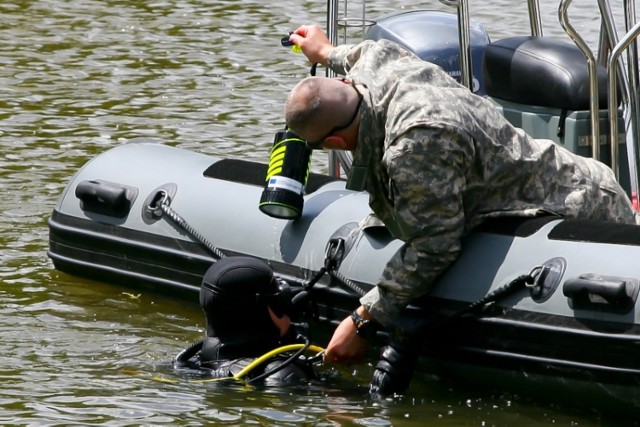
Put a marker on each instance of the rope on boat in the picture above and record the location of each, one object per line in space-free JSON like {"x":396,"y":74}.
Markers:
{"x":347,"y":282}
{"x":521,"y":282}
{"x":176,"y":218}
{"x":332,"y":258}
{"x":422,"y":327}
{"x":333,"y":255}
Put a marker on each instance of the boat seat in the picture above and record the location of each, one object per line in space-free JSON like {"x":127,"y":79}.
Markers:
{"x":254,"y":173}
{"x":574,"y":230}
{"x":583,"y":230}
{"x":540,"y":71}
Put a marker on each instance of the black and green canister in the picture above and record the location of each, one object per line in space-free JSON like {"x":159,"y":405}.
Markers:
{"x":287,"y":175}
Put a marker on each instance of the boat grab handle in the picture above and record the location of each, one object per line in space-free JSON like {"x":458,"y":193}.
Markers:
{"x":606,"y":293}
{"x":106,"y":198}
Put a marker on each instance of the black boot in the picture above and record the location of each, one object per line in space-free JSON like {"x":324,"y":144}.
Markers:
{"x":394,"y":371}
{"x":398,"y":359}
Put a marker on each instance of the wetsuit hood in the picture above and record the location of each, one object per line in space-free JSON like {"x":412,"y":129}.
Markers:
{"x":232,"y":296}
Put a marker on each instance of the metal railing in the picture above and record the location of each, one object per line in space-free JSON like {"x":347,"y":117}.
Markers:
{"x":630,"y":97}
{"x":621,"y":74}
{"x":592,"y":64}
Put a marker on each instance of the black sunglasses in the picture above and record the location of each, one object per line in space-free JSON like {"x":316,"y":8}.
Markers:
{"x":318,"y":144}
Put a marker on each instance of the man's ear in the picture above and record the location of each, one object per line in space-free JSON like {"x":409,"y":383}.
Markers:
{"x":283,"y":323}
{"x":338,"y":142}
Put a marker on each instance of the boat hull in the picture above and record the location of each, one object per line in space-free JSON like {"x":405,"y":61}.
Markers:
{"x":586,"y":272}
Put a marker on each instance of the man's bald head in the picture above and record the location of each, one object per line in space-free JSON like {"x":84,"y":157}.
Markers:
{"x":318,"y":104}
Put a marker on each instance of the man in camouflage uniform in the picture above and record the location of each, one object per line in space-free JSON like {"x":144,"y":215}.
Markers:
{"x":436,"y":160}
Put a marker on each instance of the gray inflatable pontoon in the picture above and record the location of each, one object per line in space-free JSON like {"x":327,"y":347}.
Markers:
{"x":107,"y":225}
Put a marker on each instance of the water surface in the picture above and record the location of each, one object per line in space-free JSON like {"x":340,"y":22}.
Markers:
{"x":80,"y":77}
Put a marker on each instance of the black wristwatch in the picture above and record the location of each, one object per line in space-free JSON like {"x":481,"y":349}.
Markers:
{"x":365,"y":328}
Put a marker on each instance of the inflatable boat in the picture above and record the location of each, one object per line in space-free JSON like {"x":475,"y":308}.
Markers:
{"x":537,"y":298}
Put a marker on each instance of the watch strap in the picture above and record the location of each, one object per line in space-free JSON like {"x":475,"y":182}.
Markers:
{"x":365,"y":328}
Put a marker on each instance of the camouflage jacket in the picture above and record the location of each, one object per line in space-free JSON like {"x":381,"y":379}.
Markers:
{"x":437,"y":160}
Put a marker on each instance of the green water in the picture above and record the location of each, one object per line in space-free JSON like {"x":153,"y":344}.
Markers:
{"x":79,"y":77}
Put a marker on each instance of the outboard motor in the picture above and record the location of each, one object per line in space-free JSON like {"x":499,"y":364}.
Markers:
{"x":433,"y":36}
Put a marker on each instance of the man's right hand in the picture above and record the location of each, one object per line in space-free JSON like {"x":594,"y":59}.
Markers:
{"x":314,"y":43}
{"x":346,"y":346}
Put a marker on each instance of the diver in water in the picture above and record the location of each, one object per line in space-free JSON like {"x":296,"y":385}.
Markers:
{"x":247,"y":313}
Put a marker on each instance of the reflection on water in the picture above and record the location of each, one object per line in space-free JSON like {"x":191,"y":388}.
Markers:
{"x":79,"y":77}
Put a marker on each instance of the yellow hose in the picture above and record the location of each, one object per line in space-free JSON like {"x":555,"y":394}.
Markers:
{"x":251,"y":366}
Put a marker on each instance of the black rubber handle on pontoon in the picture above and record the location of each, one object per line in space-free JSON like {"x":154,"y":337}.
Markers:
{"x":104,"y":197}
{"x":591,"y":291}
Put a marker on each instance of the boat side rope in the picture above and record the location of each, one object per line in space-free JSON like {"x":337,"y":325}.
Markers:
{"x":524,"y":281}
{"x":347,"y":282}
{"x":334,"y":253}
{"x":164,"y":206}
{"x":521,"y":282}
{"x":332,"y":257}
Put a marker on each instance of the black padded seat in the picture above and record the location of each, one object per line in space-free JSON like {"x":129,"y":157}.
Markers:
{"x":540,"y":71}
{"x":568,"y":229}
{"x":253,"y":173}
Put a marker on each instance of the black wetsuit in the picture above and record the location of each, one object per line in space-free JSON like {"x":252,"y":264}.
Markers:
{"x":239,"y":295}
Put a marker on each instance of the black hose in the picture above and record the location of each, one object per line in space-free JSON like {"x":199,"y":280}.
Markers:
{"x":503,"y":291}
{"x":183,"y":357}
{"x":284,"y":364}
